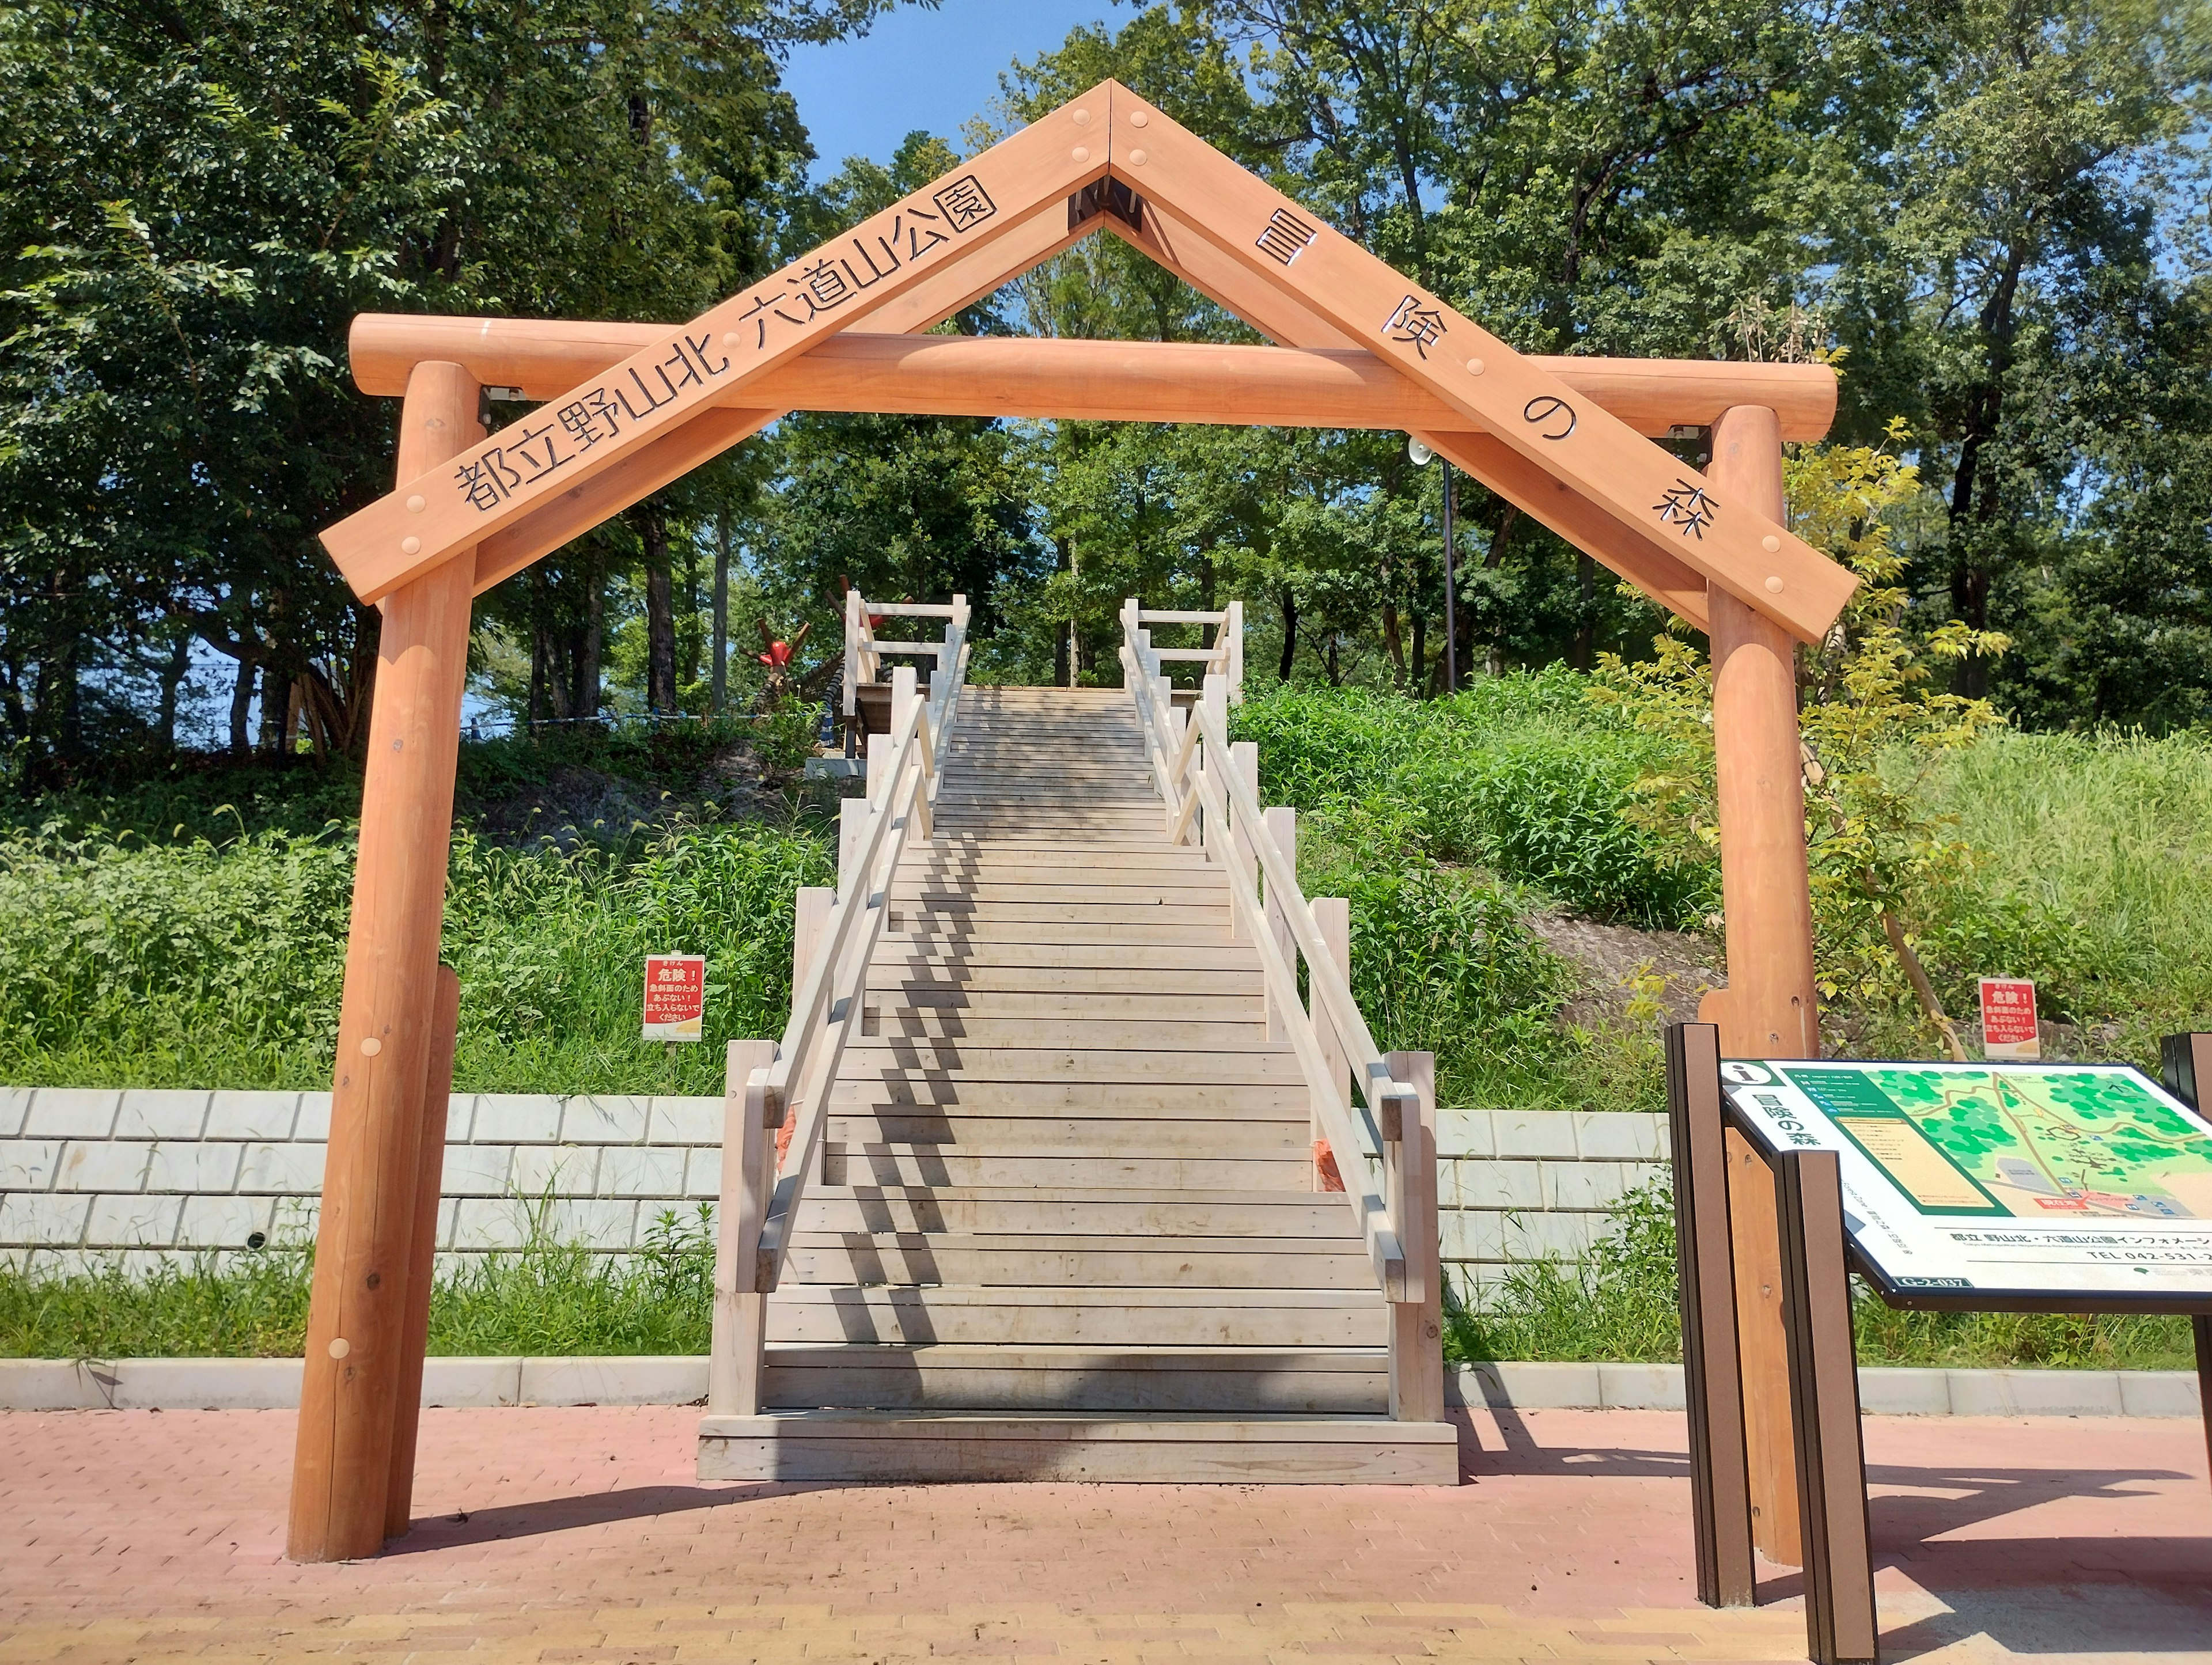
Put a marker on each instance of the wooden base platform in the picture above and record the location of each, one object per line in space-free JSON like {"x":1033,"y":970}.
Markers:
{"x":891,"y":1446}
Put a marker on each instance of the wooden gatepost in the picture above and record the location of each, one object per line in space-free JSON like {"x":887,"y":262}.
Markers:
{"x":627,"y":408}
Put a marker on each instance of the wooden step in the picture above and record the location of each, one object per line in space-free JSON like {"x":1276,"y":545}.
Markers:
{"x":1000,"y":1210}
{"x":1048,"y":1315}
{"x":903,"y":1162}
{"x":896,"y":1446}
{"x":1106,"y":1099}
{"x":875,"y":1059}
{"x":885,"y":1021}
{"x":1173,"y":1133}
{"x":981,"y":1260}
{"x":936,"y":1377}
{"x":1085,"y":1005}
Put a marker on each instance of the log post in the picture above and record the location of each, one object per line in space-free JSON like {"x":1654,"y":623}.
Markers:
{"x":1333,"y":918}
{"x":357,"y":1319}
{"x":1243,"y":853}
{"x":1769,"y":1008}
{"x":422,"y":1263}
{"x":735,"y":1361}
{"x":1282,"y":825}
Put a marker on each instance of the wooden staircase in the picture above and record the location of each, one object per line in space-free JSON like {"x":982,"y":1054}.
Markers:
{"x":1063,"y":1224}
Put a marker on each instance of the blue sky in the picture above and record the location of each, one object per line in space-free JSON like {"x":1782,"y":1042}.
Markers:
{"x":923,"y":69}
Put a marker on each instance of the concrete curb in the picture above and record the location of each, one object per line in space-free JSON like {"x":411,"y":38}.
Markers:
{"x":273,"y":1384}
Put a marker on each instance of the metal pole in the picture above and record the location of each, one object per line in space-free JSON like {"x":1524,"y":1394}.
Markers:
{"x":1451,"y":604}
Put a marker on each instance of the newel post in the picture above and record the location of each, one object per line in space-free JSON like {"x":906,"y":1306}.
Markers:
{"x":358,"y":1328}
{"x":1409,"y":1162}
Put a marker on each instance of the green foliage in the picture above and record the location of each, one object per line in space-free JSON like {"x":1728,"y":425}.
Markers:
{"x":1516,"y":775}
{"x":547,"y":1299}
{"x":130,"y":962}
{"x":1620,"y":1302}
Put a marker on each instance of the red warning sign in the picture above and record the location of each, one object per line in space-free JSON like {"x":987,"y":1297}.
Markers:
{"x":2009,"y":1027}
{"x":675,"y":997}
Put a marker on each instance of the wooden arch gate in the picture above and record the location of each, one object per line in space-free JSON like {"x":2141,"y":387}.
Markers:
{"x":629,"y":408}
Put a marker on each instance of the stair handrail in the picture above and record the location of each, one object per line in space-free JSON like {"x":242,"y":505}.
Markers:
{"x":1224,"y":797}
{"x":826,"y":1006}
{"x":1224,"y":658}
{"x":865,"y":654}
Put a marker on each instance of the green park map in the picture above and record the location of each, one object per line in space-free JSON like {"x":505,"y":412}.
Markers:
{"x":2052,"y":1144}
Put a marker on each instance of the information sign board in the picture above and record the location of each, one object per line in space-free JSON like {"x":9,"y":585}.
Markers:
{"x":675,"y":997}
{"x":2008,"y":1026}
{"x":2053,"y":1187}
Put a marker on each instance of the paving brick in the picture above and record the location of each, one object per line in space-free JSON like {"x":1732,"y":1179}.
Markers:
{"x":1533,"y":1132}
{"x":595,"y":1222}
{"x":197,"y":1166}
{"x":15,"y":1106}
{"x":1498,"y":1184}
{"x":604,"y":1119}
{"x":73,"y":1112}
{"x":641,"y":1171}
{"x":1620,"y":1135}
{"x":1465,"y":1134}
{"x":28,"y":1164}
{"x":102,"y":1164}
{"x":1580,"y":1185}
{"x":133,"y":1222}
{"x":513,"y":1118}
{"x":290,"y":1169}
{"x":477,"y":1170}
{"x":252,"y":1115}
{"x":223,"y":1222}
{"x":685,"y":1121}
{"x":155,"y":1112}
{"x":488,"y":1223}
{"x":31,"y":1218}
{"x":1472,"y":1235}
{"x":314,"y":1122}
{"x":565,"y":1170}
{"x":460,"y":1115}
{"x":702,"y":1172}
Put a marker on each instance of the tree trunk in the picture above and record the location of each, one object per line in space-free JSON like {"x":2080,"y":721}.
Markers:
{"x":721,"y":649}
{"x":241,"y":701}
{"x":1586,"y":629}
{"x":659,"y":617}
{"x":1417,"y":671}
{"x":1392,"y":640}
{"x":584,"y":698}
{"x":1289,"y":633}
{"x":172,"y":676}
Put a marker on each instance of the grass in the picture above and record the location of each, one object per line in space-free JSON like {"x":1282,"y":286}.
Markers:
{"x":131,"y":957}
{"x":547,"y":1299}
{"x":1620,"y":1305}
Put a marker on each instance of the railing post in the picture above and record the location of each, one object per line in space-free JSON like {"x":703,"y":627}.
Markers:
{"x":733,"y":1367}
{"x":1282,"y":825}
{"x":1244,"y":759}
{"x":1416,"y":1358}
{"x":1333,"y":920}
{"x":1234,"y":624}
{"x":1214,"y":697}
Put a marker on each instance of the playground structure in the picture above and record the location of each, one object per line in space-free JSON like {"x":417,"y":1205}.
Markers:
{"x":629,"y":408}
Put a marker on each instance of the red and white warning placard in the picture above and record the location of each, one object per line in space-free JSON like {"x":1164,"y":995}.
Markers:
{"x":675,"y":997}
{"x":2009,"y":1028}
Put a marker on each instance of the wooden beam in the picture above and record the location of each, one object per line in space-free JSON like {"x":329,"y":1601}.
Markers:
{"x":676,"y":453}
{"x":422,"y":1263}
{"x":1670,"y":505}
{"x":1095,"y":381}
{"x":606,"y":421}
{"x":357,"y":1330}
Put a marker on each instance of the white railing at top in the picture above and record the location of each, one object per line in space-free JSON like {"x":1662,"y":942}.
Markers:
{"x":1210,"y":795}
{"x":771,"y":1082}
{"x":1226,"y":657}
{"x":864,"y":654}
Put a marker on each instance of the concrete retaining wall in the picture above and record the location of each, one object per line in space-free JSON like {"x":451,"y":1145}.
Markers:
{"x":101,"y":1173}
{"x":228,"y":1384}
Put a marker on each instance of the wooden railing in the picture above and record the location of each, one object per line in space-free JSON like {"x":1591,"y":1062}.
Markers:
{"x":865,"y":655}
{"x":1226,"y":657}
{"x":777,"y":1092}
{"x":1384,"y":1145}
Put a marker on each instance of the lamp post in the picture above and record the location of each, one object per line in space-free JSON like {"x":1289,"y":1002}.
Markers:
{"x":1422,"y":456}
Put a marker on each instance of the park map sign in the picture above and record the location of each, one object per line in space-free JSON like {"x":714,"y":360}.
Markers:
{"x":2059,"y":1186}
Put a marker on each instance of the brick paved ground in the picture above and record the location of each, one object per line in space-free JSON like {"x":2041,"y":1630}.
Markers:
{"x":578,"y":1534}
